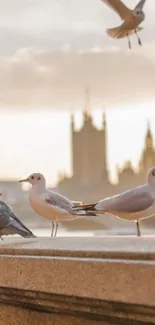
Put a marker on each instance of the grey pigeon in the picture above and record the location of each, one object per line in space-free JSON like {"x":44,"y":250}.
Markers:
{"x":10,"y":224}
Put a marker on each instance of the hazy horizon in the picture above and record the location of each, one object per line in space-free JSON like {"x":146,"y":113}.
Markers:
{"x":41,"y":143}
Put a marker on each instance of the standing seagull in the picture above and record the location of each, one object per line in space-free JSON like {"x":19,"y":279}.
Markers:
{"x":133,"y":205}
{"x":131,"y":20}
{"x":51,"y":205}
{"x":10,"y":224}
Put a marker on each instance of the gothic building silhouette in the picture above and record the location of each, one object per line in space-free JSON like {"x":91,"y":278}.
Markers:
{"x":90,"y":177}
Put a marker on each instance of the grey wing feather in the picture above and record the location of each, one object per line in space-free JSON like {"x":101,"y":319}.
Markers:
{"x":140,"y":5}
{"x":9,"y":219}
{"x":61,"y":201}
{"x":130,"y":201}
{"x":119,"y":7}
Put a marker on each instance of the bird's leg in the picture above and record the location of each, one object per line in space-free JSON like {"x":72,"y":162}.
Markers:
{"x":129,"y":43}
{"x":52,"y":232}
{"x":138,"y":228}
{"x":56,"y":228}
{"x":139,"y":40}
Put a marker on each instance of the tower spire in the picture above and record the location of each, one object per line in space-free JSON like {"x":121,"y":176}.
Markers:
{"x":149,"y":138}
{"x":72,"y":122}
{"x":148,"y":128}
{"x":104,"y":121}
{"x":105,"y":145}
{"x":87,"y":103}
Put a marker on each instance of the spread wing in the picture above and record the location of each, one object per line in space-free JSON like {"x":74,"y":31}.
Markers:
{"x":59,"y":201}
{"x":120,"y":8}
{"x":140,"y":5}
{"x":131,"y":201}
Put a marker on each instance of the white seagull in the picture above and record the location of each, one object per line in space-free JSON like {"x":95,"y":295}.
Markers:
{"x":51,"y":205}
{"x":131,"y":20}
{"x":133,"y":205}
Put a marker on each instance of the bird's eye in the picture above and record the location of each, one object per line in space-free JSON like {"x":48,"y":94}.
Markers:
{"x":32,"y":177}
{"x":153,"y":173}
{"x":38,"y":178}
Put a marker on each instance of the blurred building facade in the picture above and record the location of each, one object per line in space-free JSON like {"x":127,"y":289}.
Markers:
{"x":90,"y":179}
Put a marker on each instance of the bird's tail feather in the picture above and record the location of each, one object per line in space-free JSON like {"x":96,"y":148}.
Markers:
{"x":119,"y":32}
{"x":89,"y":209}
{"x":90,"y":213}
{"x":85,"y":207}
{"x":97,"y":211}
{"x":27,"y":234}
{"x":21,"y":229}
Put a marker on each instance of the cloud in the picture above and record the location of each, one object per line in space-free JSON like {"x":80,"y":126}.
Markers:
{"x":34,"y":79}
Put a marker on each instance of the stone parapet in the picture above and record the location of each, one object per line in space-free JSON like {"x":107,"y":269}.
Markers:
{"x":107,"y":280}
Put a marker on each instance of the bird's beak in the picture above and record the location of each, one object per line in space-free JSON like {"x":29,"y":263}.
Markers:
{"x":23,"y":180}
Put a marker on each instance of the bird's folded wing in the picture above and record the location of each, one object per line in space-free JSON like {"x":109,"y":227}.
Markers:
{"x":130,"y":202}
{"x":120,"y":8}
{"x":4,"y":220}
{"x":59,"y":202}
{"x":7,"y":216}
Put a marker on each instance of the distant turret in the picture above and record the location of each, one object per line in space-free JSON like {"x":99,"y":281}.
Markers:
{"x":89,"y":154}
{"x":148,"y":154}
{"x":149,"y":138}
{"x":72,"y":122}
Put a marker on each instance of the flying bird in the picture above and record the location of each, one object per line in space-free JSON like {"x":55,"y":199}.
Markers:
{"x":10,"y":223}
{"x":131,"y":20}
{"x":132,"y":205}
{"x":50,"y":204}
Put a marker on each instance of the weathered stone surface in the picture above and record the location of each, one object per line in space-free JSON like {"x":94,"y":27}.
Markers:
{"x":108,"y":280}
{"x":14,"y":315}
{"x":111,"y":246}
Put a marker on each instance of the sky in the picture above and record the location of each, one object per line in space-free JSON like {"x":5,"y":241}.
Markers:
{"x":50,"y":51}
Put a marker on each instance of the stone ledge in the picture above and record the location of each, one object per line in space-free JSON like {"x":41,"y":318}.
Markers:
{"x":106,"y":279}
{"x":98,"y":310}
{"x":113,"y":247}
